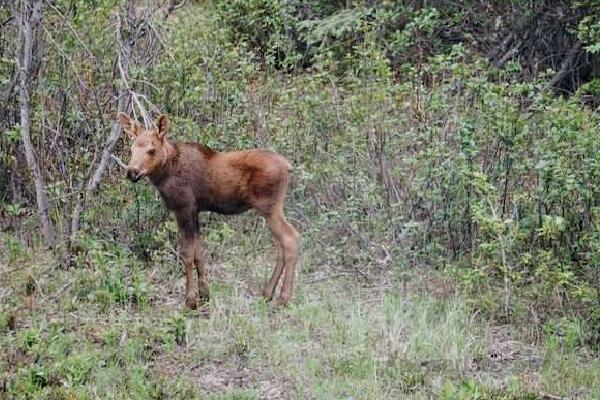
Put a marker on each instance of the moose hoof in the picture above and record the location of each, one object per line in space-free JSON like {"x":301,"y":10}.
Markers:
{"x":267,"y":294}
{"x":203,"y":294}
{"x":282,"y":302}
{"x":190,"y":301}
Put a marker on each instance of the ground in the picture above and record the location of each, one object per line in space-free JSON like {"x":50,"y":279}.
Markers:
{"x":115,"y":327}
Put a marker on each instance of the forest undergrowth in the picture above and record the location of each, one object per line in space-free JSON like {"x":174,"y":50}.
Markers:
{"x":448,"y":207}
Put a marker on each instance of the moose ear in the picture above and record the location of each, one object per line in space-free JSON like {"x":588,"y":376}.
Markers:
{"x":130,"y":127}
{"x":163,"y":126}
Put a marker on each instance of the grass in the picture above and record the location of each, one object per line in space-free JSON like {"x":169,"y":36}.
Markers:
{"x":115,"y":328}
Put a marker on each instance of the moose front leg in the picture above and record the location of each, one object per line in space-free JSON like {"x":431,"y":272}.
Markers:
{"x":187,"y":257}
{"x":188,"y":225}
{"x":203,"y":289}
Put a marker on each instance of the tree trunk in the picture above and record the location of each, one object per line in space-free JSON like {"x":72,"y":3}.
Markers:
{"x":30,"y":15}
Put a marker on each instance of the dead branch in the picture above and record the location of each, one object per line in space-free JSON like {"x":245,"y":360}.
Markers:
{"x":509,"y":54}
{"x":173,"y":6}
{"x":118,"y":161}
{"x":500,"y":49}
{"x":547,"y":396}
{"x":565,"y":66}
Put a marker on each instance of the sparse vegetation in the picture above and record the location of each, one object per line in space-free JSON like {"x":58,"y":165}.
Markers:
{"x":447,"y":197}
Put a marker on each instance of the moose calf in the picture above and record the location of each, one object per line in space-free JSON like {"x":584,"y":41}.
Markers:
{"x":192,"y":178}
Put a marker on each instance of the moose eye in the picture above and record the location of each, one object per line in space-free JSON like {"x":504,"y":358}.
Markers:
{"x":151,"y":152}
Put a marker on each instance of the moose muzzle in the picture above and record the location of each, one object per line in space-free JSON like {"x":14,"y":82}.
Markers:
{"x":133,"y":175}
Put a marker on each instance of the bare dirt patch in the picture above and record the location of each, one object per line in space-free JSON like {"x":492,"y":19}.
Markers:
{"x":222,"y":376}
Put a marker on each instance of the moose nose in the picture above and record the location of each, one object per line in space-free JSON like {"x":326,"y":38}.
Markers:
{"x":133,"y":175}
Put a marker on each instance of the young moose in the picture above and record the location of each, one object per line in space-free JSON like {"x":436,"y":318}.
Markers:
{"x":192,"y":178}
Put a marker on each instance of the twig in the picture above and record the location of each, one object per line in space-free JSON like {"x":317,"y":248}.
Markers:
{"x":353,"y":269}
{"x":70,"y":64}
{"x":546,"y":396}
{"x":6,"y":21}
{"x":58,"y":293}
{"x":173,"y":7}
{"x":323,"y":278}
{"x":57,"y":11}
{"x":118,"y":161}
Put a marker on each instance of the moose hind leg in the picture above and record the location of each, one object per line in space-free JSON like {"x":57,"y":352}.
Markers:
{"x":269,"y":290}
{"x":290,"y":245}
{"x":203,"y":288}
{"x":288,"y":238}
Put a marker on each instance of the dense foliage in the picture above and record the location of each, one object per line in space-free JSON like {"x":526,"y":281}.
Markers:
{"x":436,"y":151}
{"x":418,"y":140}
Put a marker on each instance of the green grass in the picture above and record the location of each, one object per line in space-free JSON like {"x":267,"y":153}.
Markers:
{"x":115,"y":328}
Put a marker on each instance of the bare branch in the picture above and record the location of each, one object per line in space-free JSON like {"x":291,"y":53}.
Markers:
{"x":118,"y":161}
{"x":509,"y":54}
{"x":172,"y":6}
{"x":565,"y":66}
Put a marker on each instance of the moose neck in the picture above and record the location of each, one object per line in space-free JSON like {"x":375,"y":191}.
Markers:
{"x":161,"y":173}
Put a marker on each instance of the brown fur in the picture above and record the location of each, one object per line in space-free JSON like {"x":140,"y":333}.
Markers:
{"x":192,"y":178}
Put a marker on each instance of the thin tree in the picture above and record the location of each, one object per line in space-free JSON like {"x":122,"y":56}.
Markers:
{"x":30,"y":16}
